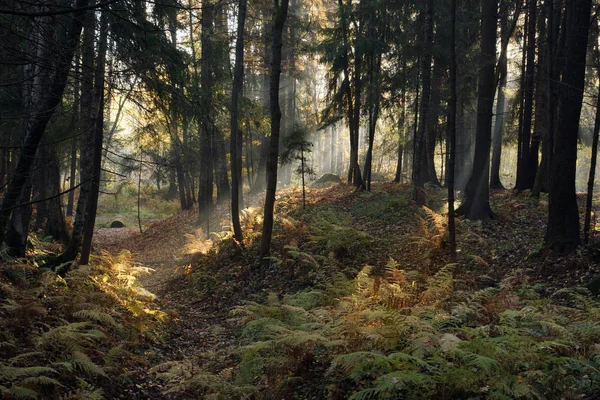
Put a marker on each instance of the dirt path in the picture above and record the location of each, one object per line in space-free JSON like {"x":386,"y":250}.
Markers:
{"x":197,"y":333}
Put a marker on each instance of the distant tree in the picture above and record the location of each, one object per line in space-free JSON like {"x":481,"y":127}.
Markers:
{"x":592,"y":173}
{"x":506,"y":31}
{"x":296,"y":149}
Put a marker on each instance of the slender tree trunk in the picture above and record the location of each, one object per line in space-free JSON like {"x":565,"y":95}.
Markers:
{"x":524,"y":174}
{"x":592,"y":174}
{"x":279,"y":17}
{"x":98,"y":140}
{"x":76,"y":140}
{"x":205,"y":194}
{"x":236,"y":134}
{"x":433,"y":114}
{"x":419,"y":158}
{"x":55,"y":226}
{"x":476,"y":205}
{"x":562,"y":234}
{"x":495,"y":182}
{"x":401,"y":130}
{"x":541,"y":179}
{"x":452,"y":133}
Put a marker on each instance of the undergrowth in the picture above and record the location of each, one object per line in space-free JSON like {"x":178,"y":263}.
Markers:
{"x":72,"y":338}
{"x":410,"y":336}
{"x":333,"y":329}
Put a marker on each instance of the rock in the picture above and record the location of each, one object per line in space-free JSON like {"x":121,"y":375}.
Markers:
{"x":594,"y":285}
{"x":117,"y":224}
{"x":327,"y":179}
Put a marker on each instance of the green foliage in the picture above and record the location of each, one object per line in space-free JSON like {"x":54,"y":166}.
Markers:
{"x":121,"y":205}
{"x":383,"y":206}
{"x":342,"y":241}
{"x":412,"y":336}
{"x":61,"y":338}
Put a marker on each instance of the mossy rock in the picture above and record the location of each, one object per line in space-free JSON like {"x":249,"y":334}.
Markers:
{"x":117,"y":224}
{"x":327,"y":179}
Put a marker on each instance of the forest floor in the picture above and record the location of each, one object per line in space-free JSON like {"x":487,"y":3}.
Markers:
{"x":198,"y":281}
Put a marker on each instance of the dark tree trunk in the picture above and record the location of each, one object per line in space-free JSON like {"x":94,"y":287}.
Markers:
{"x":87,"y":122}
{"x":68,"y":38}
{"x":452,"y":133}
{"x":279,"y":17}
{"x":18,"y":229}
{"x":476,"y":205}
{"x":419,"y":160}
{"x":541,"y":107}
{"x":55,"y":225}
{"x":205,"y":191}
{"x":219,"y":64}
{"x":525,"y":175}
{"x":433,"y":115}
{"x":401,"y":131}
{"x":562,"y":234}
{"x":592,"y":174}
{"x":495,"y":182}
{"x":75,"y":141}
{"x":236,"y":134}
{"x":40,"y":191}
{"x":541,"y":180}
{"x":97,"y":142}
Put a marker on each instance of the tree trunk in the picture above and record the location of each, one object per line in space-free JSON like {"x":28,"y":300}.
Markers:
{"x":433,"y":114}
{"x":495,"y":182}
{"x":87,"y":120}
{"x":476,"y":205}
{"x":562,"y":234}
{"x":74,"y":141}
{"x":279,"y":17}
{"x":205,"y":191}
{"x":525,"y":175}
{"x":452,"y":133}
{"x":98,"y":140}
{"x":55,"y":226}
{"x":592,"y":174}
{"x":401,"y":130}
{"x":68,"y":38}
{"x":236,"y":134}
{"x":419,"y":158}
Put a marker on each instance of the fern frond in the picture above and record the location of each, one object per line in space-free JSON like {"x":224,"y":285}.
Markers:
{"x":97,"y":316}
{"x":41,"y":380}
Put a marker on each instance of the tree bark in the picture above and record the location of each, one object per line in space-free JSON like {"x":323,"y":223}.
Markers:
{"x":592,"y":173}
{"x":476,"y":205}
{"x":419,"y":158}
{"x":562,"y":234}
{"x":236,"y":134}
{"x":525,"y":175}
{"x":495,"y":182}
{"x":452,"y":133}
{"x":87,"y":123}
{"x":98,"y":140}
{"x":279,"y":17}
{"x":205,"y":191}
{"x":68,"y":38}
